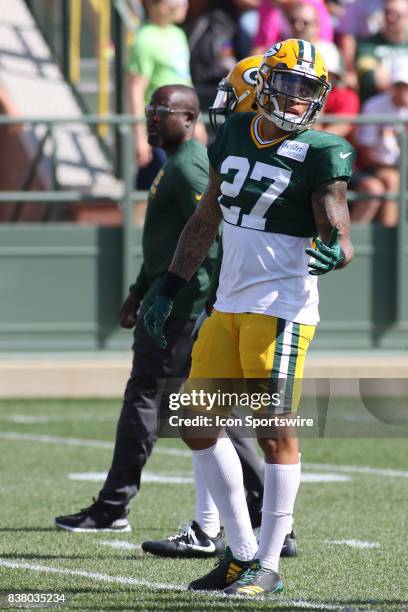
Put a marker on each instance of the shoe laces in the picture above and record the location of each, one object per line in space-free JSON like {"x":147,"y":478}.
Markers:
{"x":186,"y":533}
{"x":253,"y":571}
{"x":96,"y":503}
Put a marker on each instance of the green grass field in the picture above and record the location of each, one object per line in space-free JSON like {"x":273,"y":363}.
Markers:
{"x":351,"y":527}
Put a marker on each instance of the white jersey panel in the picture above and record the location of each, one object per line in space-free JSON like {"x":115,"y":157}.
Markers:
{"x":267,"y":273}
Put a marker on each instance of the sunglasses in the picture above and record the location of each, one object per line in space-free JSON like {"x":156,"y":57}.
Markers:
{"x":161,"y":111}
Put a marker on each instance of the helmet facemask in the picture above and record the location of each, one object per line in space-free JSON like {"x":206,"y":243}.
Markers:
{"x":278,"y":89}
{"x":226,"y":102}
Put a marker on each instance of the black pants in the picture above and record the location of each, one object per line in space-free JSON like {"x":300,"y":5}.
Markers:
{"x":137,"y":427}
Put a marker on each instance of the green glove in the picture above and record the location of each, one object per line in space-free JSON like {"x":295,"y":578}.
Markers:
{"x":156,"y":317}
{"x":327,"y":256}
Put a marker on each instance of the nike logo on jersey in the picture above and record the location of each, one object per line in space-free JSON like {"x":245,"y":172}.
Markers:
{"x":210,"y":548}
{"x":198,"y":196}
{"x":345,"y":155}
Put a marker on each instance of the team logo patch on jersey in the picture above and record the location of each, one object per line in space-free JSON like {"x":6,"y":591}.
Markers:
{"x":294,"y":150}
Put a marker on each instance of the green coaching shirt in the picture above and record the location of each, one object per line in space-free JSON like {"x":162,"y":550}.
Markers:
{"x":161,"y":54}
{"x":173,"y":197}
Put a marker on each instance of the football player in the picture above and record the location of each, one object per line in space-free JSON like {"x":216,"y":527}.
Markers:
{"x":275,"y":183}
{"x":235,"y":93}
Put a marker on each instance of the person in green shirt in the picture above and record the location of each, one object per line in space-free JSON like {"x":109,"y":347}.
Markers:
{"x":375,"y":54}
{"x":159,"y":56}
{"x":173,"y":197}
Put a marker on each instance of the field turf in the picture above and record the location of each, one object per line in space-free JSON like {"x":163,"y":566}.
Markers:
{"x":351,"y":519}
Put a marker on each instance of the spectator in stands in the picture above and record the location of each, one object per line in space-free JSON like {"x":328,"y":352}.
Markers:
{"x":379,"y":152}
{"x":159,"y":56}
{"x":211,"y":27}
{"x":241,"y":24}
{"x":274,"y":25}
{"x":360,"y":20}
{"x":375,"y":54}
{"x":304,"y":21}
{"x":247,"y":26}
{"x":341,"y":100}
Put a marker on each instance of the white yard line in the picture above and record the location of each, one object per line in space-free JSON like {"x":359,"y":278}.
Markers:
{"x":162,"y":450}
{"x":121,"y":544}
{"x":61,"y":440}
{"x":354,"y":543}
{"x":37,"y":567}
{"x":186,"y":478}
{"x":155,"y":477}
{"x":356,"y":469}
{"x":44,"y":418}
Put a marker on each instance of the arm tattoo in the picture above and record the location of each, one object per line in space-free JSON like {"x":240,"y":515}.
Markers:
{"x":329,"y":204}
{"x":199,"y":233}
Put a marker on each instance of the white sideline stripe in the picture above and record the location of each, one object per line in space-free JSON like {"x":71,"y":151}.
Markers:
{"x":187,"y":479}
{"x":23,"y":437}
{"x":353,"y":469}
{"x":354,"y":543}
{"x":120,"y":544}
{"x":162,"y":478}
{"x":36,"y":567}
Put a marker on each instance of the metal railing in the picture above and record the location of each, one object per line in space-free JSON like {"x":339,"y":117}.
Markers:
{"x":128,"y":169}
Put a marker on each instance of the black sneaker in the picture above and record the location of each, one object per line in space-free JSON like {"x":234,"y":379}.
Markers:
{"x":289,"y":548}
{"x":98,"y":517}
{"x":191,"y":541}
{"x":226,"y":571}
{"x":256,"y":581}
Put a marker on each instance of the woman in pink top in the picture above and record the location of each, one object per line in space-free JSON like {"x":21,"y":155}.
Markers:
{"x":274,"y":26}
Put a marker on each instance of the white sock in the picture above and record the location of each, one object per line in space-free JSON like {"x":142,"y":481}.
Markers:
{"x":222,"y":470}
{"x":206,"y":512}
{"x":280,"y":489}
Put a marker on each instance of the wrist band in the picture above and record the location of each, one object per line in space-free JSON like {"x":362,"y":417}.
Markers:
{"x":171,"y":285}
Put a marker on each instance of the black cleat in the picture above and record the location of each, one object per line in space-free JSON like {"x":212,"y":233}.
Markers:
{"x":225,"y":572}
{"x":256,"y":581}
{"x":289,"y":548}
{"x":97,"y":517}
{"x":191,"y":541}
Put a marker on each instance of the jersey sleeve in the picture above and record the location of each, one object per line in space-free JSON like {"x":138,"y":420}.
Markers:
{"x":215,"y":149}
{"x":191,"y":179}
{"x":333,"y":161}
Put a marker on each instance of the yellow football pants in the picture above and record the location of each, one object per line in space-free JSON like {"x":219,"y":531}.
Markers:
{"x":252,"y":346}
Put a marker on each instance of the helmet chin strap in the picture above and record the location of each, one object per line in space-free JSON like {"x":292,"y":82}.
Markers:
{"x":243,"y":96}
{"x":280,"y":119}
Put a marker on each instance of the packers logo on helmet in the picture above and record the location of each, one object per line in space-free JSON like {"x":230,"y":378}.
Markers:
{"x":236,"y":92}
{"x":292,"y":74}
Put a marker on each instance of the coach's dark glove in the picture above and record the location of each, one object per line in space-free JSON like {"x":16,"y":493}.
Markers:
{"x":326,"y":256}
{"x":156,"y":317}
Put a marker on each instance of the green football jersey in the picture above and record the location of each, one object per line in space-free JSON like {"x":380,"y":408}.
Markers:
{"x":268,"y":185}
